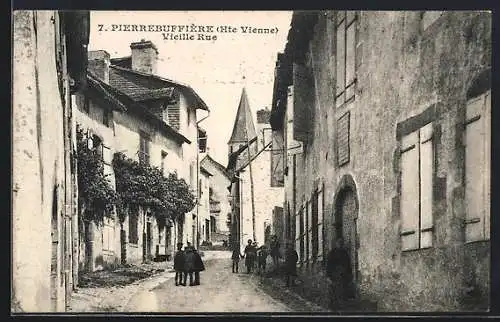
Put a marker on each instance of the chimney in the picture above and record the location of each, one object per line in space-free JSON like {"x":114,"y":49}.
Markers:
{"x":263,"y":116}
{"x":99,"y":64}
{"x":144,"y":56}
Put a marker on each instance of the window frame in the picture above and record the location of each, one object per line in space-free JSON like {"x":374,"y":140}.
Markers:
{"x":424,"y":134}
{"x":345,"y":20}
{"x":484,"y":116}
{"x":144,"y":142}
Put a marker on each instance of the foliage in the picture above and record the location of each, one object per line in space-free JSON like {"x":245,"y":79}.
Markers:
{"x":95,"y":192}
{"x":145,"y":185}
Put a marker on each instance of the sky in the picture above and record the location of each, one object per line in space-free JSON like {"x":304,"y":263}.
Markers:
{"x":216,"y":69}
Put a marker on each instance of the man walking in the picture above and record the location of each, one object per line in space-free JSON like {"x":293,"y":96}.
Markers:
{"x":338,"y":270}
{"x":291,"y":259}
{"x":198,"y":266}
{"x":275,"y":251}
{"x":189,"y":263}
{"x":249,"y":256}
{"x":179,"y":265}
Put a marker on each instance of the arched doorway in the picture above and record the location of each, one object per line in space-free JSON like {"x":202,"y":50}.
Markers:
{"x":346,"y":216}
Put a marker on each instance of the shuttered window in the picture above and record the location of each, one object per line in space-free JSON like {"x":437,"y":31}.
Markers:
{"x":303,"y":102}
{"x":321,"y":233}
{"x":477,"y":168}
{"x":417,"y":167}
{"x":144,"y":148}
{"x":297,"y":235}
{"x":277,"y":159}
{"x":345,"y":56}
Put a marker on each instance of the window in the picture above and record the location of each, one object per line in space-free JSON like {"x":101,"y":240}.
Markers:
{"x":320,"y":224}
{"x":345,"y":56}
{"x":133,"y":236}
{"x":144,"y":148}
{"x":429,"y":17}
{"x":343,"y":151}
{"x":86,"y":104}
{"x":163,"y":158}
{"x":417,"y":165}
{"x":106,"y":117}
{"x":309,"y":231}
{"x":314,"y":224}
{"x":301,"y":235}
{"x":477,"y":168}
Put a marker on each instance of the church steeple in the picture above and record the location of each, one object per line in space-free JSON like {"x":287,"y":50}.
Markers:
{"x":243,"y":128}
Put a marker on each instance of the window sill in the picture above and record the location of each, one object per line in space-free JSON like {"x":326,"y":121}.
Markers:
{"x":473,"y":242}
{"x":135,"y":245}
{"x":416,"y":250}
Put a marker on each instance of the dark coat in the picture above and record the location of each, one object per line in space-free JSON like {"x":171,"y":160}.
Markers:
{"x":291,"y":259}
{"x":198,"y":262}
{"x":236,"y":255}
{"x":179,"y":261}
{"x":275,"y":248}
{"x":338,"y":264}
{"x":189,"y":260}
{"x":250,"y":254}
{"x":262,"y":256}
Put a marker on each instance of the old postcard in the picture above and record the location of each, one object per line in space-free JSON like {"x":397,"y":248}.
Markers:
{"x":292,"y":162}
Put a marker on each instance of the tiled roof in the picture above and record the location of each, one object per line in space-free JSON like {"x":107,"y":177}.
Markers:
{"x":243,"y":128}
{"x":219,"y":166}
{"x":139,"y":82}
{"x":109,"y":94}
{"x":153,"y":94}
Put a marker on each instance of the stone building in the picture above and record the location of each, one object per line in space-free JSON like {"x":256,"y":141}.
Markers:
{"x":152,"y":120}
{"x":220,"y":209}
{"x":254,"y":199}
{"x":386,"y":123}
{"x":49,"y":63}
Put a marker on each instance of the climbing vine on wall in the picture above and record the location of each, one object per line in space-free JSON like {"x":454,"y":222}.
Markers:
{"x":95,"y":193}
{"x":145,"y":185}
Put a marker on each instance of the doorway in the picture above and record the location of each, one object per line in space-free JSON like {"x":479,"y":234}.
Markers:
{"x":149,"y":241}
{"x":346,"y":215}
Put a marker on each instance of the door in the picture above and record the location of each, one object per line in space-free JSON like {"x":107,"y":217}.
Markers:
{"x":346,"y":223}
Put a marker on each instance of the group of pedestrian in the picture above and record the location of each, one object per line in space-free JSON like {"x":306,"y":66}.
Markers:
{"x":187,"y":262}
{"x":255,"y":257}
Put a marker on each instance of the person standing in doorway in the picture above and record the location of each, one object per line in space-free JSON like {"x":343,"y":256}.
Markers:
{"x":291,"y":259}
{"x":179,"y":265}
{"x":338,"y":270}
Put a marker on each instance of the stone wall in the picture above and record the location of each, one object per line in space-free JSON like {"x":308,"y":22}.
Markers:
{"x":403,"y":71}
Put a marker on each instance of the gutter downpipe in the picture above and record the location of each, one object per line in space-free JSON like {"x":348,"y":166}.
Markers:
{"x":198,"y":181}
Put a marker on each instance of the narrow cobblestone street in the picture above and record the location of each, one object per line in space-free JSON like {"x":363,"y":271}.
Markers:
{"x":220,"y":291}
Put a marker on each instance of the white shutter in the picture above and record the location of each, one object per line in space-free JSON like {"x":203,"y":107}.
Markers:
{"x":340,"y":58}
{"x":310,"y":228}
{"x":474,"y":167}
{"x":487,"y":164}
{"x":292,"y":146}
{"x":426,"y":172}
{"x":409,"y":192}
{"x":320,"y":224}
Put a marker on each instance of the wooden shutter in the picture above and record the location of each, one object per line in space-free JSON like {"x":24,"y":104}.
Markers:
{"x":277,"y":159}
{"x":340,"y":61}
{"x":309,"y":230}
{"x":409,"y":192}
{"x":426,"y":173}
{"x":320,"y":224}
{"x":350,"y":55}
{"x":303,"y":107}
{"x":292,"y":146}
{"x":487,"y":164}
{"x":475,"y":158}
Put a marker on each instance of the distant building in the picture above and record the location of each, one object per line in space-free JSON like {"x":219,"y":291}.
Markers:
{"x":385,"y":118}
{"x":253,"y":197}
{"x":220,"y":208}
